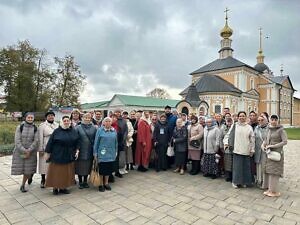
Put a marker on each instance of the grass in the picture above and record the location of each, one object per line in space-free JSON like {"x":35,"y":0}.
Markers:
{"x":293,"y":133}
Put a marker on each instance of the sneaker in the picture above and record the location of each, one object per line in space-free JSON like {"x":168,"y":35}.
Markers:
{"x":234,"y":185}
{"x":273,"y":194}
{"x":101,"y":188}
{"x":122,"y":171}
{"x":182,"y":172}
{"x":107,"y":187}
{"x":176,"y":170}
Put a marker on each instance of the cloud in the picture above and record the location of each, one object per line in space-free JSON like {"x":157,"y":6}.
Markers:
{"x":133,"y":46}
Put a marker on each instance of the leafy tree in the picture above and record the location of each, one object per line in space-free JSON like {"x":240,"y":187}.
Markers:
{"x":158,"y":93}
{"x":69,"y":82}
{"x":17,"y":67}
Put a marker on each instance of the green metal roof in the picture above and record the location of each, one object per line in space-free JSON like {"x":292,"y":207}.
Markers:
{"x":94,"y":105}
{"x":130,"y":100}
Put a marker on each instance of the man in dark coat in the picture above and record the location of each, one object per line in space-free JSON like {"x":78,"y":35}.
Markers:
{"x":122,"y":132}
{"x":161,"y":141}
{"x":171,"y":119}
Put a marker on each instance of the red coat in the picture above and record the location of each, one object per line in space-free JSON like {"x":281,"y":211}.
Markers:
{"x":142,"y":153}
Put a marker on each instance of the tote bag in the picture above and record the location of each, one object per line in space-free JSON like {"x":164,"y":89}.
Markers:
{"x":94,"y":176}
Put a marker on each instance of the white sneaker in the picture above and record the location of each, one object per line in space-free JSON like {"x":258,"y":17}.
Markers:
{"x":234,"y":185}
{"x":122,"y":171}
{"x":126,"y":171}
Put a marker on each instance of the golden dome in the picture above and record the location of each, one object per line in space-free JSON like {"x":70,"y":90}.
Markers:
{"x":226,"y":32}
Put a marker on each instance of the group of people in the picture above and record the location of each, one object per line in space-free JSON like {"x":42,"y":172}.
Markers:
{"x":245,"y":150}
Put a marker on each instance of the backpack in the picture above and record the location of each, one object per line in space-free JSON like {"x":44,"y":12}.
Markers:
{"x":22,"y":126}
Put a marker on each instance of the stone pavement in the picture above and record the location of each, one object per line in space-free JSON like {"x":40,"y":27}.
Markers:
{"x":154,"y":198}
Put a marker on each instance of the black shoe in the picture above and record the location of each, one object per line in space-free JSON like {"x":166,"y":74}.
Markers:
{"x":81,"y":186}
{"x":111,"y":179}
{"x":22,"y":189}
{"x":127,"y":167}
{"x":206,"y":175}
{"x":131,"y":166}
{"x":118,"y":175}
{"x":30,"y":179}
{"x":42,"y":184}
{"x":55,"y":191}
{"x":85,"y":185}
{"x":140,"y":168}
{"x":228,"y":179}
{"x":107,"y":187}
{"x":64,"y":191}
{"x":213,"y":176}
{"x":101,"y":188}
{"x":194,"y":173}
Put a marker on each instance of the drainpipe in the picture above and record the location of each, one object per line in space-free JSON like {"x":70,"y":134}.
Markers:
{"x":292,"y":98}
{"x":279,"y":103}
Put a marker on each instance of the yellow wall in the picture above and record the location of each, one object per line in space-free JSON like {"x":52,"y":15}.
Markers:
{"x":296,"y":112}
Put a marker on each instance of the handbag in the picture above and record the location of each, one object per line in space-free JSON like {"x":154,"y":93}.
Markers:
{"x":170,"y":151}
{"x":94,"y":176}
{"x":195,"y":143}
{"x":274,"y":156}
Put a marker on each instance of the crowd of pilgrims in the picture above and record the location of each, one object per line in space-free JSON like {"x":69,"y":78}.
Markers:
{"x":233,"y":147}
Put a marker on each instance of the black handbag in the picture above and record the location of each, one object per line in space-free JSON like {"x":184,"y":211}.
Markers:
{"x":195,"y":143}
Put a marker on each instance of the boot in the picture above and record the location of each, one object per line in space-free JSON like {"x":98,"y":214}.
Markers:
{"x":192,"y":172}
{"x":196,"y":167}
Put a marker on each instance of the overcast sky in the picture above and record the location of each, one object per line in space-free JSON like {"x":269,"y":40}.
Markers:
{"x":133,"y":46}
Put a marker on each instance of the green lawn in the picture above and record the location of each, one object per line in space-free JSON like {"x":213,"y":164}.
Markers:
{"x":293,"y":133}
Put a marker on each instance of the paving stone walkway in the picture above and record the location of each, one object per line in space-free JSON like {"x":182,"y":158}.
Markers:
{"x":154,"y":198}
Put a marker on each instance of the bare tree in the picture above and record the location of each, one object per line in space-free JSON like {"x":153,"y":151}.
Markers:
{"x":158,"y":93}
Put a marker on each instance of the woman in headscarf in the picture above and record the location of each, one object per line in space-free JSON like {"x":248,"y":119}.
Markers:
{"x":260,"y":156}
{"x":24,"y":160}
{"x":240,"y":138}
{"x":63,"y":150}
{"x":211,"y":145}
{"x":45,"y":130}
{"x":105,"y":152}
{"x":144,"y":142}
{"x":179,"y":140}
{"x":86,"y":131}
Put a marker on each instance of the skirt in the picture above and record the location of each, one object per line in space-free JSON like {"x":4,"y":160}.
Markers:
{"x":180,"y":158}
{"x":228,"y":162}
{"x":106,"y":168}
{"x":83,"y":167}
{"x":42,"y":165}
{"x":60,"y":175}
{"x":241,"y":170}
{"x":194,"y":154}
{"x":209,"y":165}
{"x":128,"y":155}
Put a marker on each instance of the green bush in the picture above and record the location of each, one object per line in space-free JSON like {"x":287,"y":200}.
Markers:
{"x":6,"y":137}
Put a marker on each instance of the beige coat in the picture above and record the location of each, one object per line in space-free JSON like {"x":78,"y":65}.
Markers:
{"x":45,"y":130}
{"x":195,"y":133}
{"x":277,"y":138}
{"x":129,"y":138}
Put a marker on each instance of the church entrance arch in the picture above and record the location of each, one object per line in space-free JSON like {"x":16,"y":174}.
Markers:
{"x":185,"y":110}
{"x":203,"y":107}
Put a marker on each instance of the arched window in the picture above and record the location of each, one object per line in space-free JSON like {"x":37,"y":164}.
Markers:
{"x":185,"y":110}
{"x":251,"y":83}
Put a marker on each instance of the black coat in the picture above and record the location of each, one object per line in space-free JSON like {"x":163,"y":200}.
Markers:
{"x":122,"y":133}
{"x":86,"y":134}
{"x":62,"y":145}
{"x":161,"y":134}
{"x":180,"y":136}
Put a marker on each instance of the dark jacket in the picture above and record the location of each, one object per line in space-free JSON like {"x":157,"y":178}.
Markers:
{"x":86,"y":134}
{"x":180,"y":136}
{"x":171,"y":123}
{"x":122,"y":133}
{"x":161,"y":134}
{"x":62,"y":145}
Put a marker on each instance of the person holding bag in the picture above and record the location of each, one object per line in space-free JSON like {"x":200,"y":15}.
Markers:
{"x":86,"y":131}
{"x":105,"y":152}
{"x":273,"y":145}
{"x":195,"y":134}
